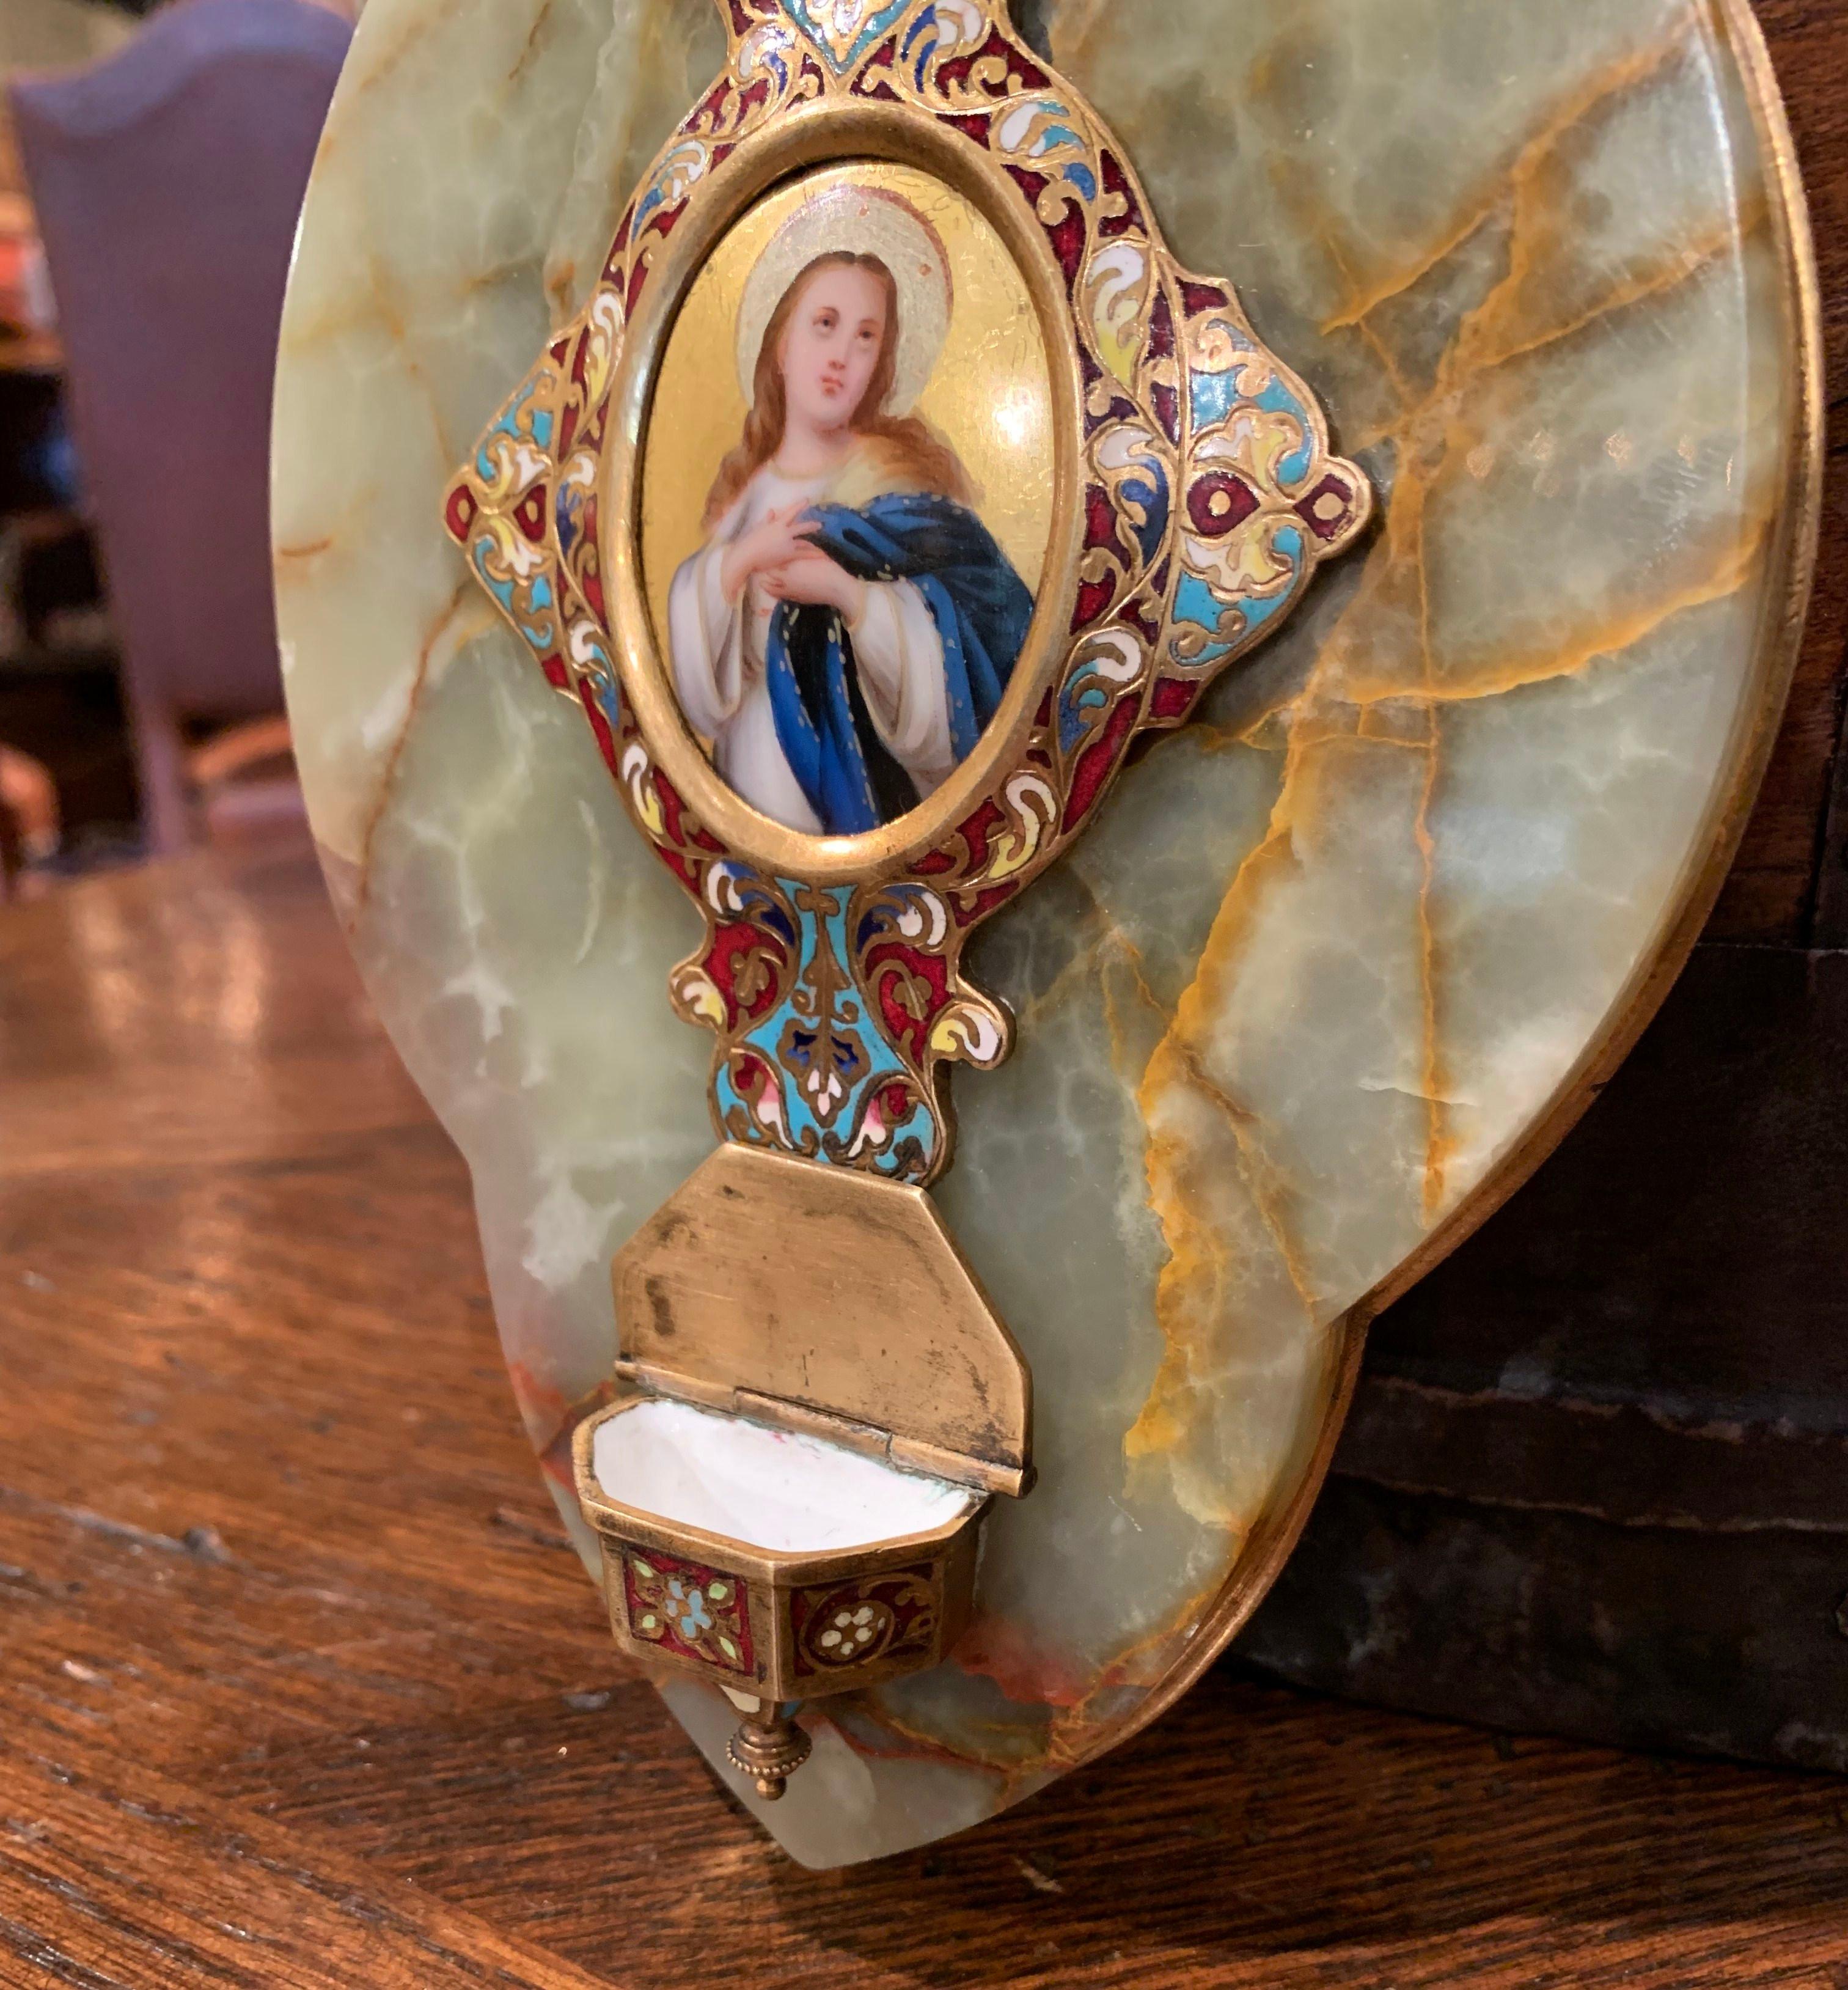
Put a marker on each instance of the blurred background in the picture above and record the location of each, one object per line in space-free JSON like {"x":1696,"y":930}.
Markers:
{"x":152,"y":161}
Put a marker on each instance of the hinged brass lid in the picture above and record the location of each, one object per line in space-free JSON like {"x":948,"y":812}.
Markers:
{"x":829,"y":1301}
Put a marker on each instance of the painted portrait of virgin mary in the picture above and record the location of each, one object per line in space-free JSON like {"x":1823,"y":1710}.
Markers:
{"x":848,"y":625}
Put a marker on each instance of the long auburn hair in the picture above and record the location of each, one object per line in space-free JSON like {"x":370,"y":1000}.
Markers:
{"x":914,"y":447}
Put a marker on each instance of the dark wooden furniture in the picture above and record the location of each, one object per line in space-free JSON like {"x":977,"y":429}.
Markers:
{"x":299,"y":1683}
{"x":167,"y":181}
{"x":1596,"y":1477}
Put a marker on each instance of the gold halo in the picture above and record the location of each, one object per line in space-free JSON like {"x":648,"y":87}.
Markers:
{"x":859,"y":221}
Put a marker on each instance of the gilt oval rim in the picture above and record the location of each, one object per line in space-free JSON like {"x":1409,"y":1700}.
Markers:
{"x":827,"y":136}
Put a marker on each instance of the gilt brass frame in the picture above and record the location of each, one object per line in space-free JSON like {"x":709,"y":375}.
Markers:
{"x":834,"y":133}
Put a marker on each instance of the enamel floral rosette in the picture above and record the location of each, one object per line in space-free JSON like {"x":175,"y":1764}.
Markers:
{"x":1288,"y":916}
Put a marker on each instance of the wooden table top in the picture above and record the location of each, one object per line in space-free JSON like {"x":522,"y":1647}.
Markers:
{"x":299,"y":1684}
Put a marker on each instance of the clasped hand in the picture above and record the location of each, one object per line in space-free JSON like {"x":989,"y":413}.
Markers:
{"x":782,"y":554}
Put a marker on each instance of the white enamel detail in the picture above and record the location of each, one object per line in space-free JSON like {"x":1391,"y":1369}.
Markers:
{"x":775,"y":1489}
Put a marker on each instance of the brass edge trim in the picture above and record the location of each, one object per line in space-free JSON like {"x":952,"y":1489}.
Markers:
{"x":651,"y":1380}
{"x":933,"y":1462}
{"x":1789,"y":572}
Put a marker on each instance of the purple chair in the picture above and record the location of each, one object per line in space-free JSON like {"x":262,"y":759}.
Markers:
{"x":167,"y":180}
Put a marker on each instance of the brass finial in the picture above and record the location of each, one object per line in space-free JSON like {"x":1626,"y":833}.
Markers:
{"x":769,"y":1748}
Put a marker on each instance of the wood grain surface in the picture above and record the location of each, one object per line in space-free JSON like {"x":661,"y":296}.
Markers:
{"x":299,"y":1684}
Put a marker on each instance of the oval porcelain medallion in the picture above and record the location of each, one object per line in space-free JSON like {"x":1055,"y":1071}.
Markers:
{"x":1335,"y":962}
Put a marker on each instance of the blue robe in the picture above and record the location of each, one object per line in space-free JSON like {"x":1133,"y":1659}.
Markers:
{"x":981,"y":608}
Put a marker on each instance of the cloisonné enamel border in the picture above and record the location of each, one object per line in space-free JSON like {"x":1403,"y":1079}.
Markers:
{"x":1198,"y":495}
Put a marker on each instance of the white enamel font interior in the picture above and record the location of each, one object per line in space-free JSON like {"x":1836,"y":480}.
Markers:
{"x":775,"y":1489}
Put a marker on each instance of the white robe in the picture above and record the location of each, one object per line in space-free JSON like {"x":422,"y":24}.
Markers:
{"x":717,"y":652}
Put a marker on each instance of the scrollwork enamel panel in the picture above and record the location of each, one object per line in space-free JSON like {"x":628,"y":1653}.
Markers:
{"x":1196,"y":495}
